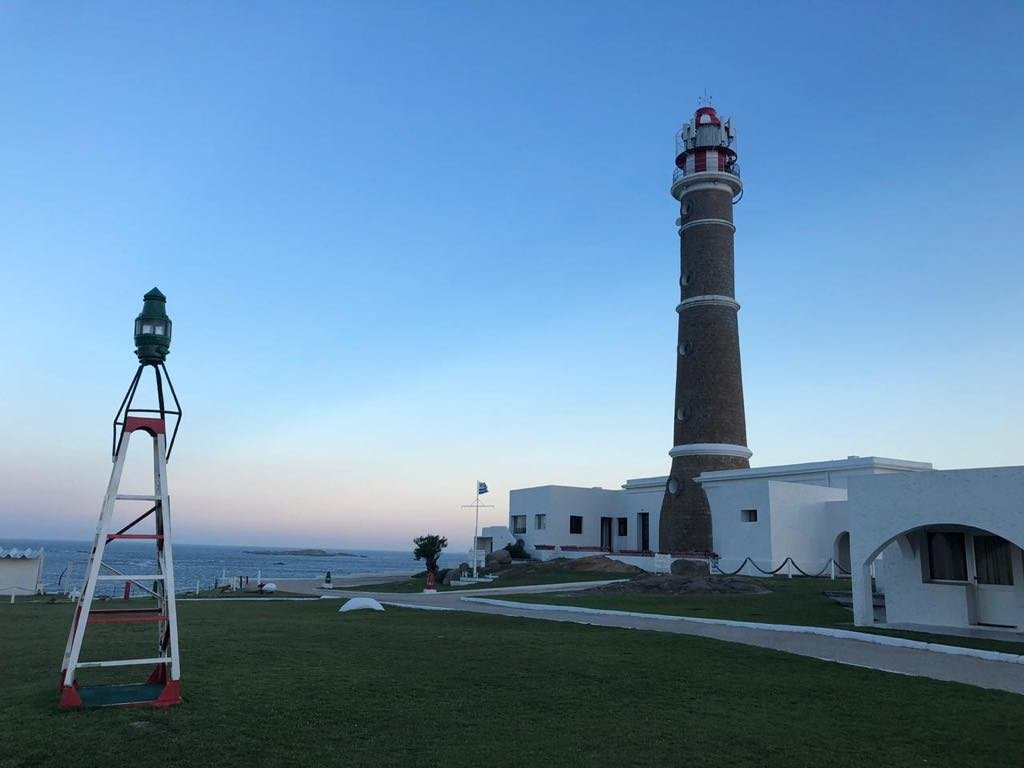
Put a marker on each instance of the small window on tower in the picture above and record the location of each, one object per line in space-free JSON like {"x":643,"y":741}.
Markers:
{"x":686,"y":279}
{"x":685,"y":348}
{"x":681,"y":414}
{"x":673,"y":485}
{"x":748,"y":515}
{"x":687,"y":207}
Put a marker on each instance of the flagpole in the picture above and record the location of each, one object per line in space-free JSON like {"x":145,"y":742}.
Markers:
{"x":476,"y":525}
{"x":476,"y":528}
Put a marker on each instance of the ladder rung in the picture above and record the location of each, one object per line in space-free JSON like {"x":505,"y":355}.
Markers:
{"x":124,"y":610}
{"x":136,"y":497}
{"x":124,"y":662}
{"x":123,"y":619}
{"x":112,"y":536}
{"x":127,"y":577}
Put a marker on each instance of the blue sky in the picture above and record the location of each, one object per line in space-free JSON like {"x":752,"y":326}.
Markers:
{"x":411,"y":245}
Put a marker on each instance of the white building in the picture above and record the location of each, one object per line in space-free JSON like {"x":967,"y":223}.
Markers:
{"x":767,"y":514}
{"x":945,"y":545}
{"x":21,"y":571}
{"x":795,"y":511}
{"x":567,"y":520}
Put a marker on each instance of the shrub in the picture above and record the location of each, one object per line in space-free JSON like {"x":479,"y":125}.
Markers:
{"x":517,"y":550}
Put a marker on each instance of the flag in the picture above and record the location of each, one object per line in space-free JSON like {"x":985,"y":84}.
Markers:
{"x":481,"y":488}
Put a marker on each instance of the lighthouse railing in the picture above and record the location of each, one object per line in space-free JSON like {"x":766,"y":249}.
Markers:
{"x":679,"y":173}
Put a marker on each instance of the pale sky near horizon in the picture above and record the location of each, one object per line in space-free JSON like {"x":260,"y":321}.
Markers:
{"x":407,"y":246}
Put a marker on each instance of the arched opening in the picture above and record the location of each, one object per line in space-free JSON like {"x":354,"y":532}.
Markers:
{"x":946,"y":574}
{"x":841,"y":551}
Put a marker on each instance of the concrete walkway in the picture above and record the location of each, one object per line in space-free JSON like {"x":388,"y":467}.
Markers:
{"x":919,"y":662}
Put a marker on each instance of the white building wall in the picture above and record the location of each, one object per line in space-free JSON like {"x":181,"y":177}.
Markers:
{"x":558,"y":503}
{"x":908,"y":599}
{"x":641,"y":496}
{"x":733,"y":539}
{"x":804,"y":524}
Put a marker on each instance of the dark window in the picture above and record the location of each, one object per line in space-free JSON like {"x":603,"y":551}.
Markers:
{"x":575,"y":524}
{"x":518,"y":523}
{"x":947,"y":556}
{"x":623,"y":526}
{"x":748,"y":515}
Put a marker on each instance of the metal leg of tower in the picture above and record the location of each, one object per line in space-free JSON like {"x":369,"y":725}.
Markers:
{"x":169,"y":639}
{"x":81,"y":620}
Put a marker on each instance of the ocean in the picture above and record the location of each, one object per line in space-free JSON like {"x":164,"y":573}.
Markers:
{"x":65,"y":561}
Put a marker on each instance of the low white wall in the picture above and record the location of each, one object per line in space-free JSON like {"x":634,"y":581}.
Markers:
{"x":648,"y":563}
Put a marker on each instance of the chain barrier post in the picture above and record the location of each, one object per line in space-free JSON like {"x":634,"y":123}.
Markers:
{"x":832,"y":565}
{"x":789,"y":567}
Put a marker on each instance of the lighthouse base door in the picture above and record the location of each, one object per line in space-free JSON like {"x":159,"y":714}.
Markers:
{"x":993,"y":581}
{"x":606,"y":533}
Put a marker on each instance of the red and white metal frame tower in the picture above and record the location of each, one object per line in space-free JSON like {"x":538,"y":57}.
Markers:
{"x":163,"y":686}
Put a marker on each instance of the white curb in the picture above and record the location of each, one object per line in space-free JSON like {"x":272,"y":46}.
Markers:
{"x":845,"y":634}
{"x":417,"y":607}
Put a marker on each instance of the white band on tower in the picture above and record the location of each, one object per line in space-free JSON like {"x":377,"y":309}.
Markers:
{"x":706,"y":300}
{"x":698,"y":222}
{"x":711,"y":449}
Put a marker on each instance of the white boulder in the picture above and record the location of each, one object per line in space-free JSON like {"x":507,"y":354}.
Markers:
{"x":361,"y":604}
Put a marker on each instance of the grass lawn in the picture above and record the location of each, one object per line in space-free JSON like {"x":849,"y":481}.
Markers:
{"x":799,"y":601}
{"x":518,"y":576}
{"x":297,"y":684}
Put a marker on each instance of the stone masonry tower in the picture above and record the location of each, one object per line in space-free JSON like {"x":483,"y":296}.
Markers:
{"x":710,"y":429}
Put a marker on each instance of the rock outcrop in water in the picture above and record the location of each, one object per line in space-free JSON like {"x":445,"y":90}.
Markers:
{"x":300,"y":552}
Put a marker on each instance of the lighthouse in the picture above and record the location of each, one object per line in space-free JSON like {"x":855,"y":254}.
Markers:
{"x":709,"y":427}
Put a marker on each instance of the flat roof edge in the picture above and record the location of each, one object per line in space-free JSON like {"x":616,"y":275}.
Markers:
{"x":857,"y":462}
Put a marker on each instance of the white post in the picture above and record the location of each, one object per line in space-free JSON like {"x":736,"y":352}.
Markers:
{"x":833,"y":566}
{"x":789,"y":567}
{"x":476,"y":529}
{"x":197,"y":586}
{"x":12,"y":598}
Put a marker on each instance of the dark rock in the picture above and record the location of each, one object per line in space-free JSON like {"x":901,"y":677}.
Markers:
{"x":501,"y":557}
{"x":454,"y":574}
{"x":693,"y":568}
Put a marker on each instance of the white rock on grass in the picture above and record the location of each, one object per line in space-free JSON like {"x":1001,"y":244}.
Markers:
{"x":361,"y":604}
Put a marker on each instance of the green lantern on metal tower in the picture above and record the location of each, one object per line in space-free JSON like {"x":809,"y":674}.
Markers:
{"x":153,"y":329}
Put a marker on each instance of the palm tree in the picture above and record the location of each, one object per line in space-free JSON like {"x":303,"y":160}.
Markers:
{"x":429,"y":548}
